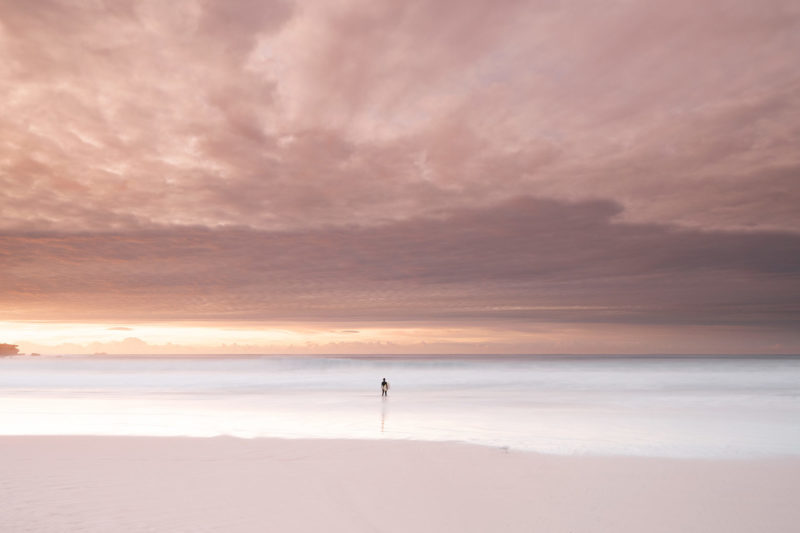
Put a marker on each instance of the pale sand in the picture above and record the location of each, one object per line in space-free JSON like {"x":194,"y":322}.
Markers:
{"x":121,"y":484}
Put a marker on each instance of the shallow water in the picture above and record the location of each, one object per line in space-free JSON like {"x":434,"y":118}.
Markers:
{"x":652,"y":406}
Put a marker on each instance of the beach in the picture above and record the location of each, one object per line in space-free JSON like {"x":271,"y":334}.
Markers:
{"x":226,"y":444}
{"x":133,"y":484}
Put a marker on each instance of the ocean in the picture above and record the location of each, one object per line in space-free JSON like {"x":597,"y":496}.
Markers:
{"x":687,"y":406}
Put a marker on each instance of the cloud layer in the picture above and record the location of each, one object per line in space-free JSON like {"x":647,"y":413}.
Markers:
{"x":523,"y":260}
{"x":274,"y":115}
{"x":413,"y":162}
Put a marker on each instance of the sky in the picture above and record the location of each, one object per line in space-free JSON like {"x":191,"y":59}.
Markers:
{"x":260,"y":176}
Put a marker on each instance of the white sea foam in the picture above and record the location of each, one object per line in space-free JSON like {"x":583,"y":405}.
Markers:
{"x":657,"y":406}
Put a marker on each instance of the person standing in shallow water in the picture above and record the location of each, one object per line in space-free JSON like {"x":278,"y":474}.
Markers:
{"x":384,"y":387}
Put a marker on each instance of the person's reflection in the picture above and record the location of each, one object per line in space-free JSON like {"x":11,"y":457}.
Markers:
{"x":383,"y":415}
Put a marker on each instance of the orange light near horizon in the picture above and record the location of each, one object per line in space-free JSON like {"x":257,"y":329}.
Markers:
{"x":61,"y":337}
{"x":88,"y":335}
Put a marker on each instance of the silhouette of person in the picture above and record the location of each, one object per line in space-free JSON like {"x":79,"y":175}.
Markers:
{"x":384,"y":387}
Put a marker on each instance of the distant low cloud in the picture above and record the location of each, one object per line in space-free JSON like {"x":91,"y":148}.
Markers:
{"x":528,"y":259}
{"x":531,"y":338}
{"x":120,"y":328}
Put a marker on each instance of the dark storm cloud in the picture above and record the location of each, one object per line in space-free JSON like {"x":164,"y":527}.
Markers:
{"x":527,"y":259}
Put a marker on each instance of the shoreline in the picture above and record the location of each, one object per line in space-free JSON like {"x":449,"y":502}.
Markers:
{"x":102,"y":483}
{"x":733,"y":458}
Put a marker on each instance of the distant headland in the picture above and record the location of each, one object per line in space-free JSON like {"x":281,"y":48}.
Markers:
{"x":9,"y":349}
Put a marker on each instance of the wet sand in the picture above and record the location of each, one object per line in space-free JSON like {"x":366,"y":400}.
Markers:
{"x":132,"y":484}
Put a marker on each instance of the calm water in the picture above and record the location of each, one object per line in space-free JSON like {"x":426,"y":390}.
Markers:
{"x":671,"y":406}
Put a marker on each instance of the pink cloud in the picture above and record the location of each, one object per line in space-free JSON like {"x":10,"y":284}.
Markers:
{"x":271,"y":115}
{"x":524,"y":160}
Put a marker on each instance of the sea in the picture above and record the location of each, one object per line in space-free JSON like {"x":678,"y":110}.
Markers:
{"x":657,"y":406}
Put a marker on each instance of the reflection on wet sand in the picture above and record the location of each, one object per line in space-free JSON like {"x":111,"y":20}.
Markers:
{"x":383,"y":413}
